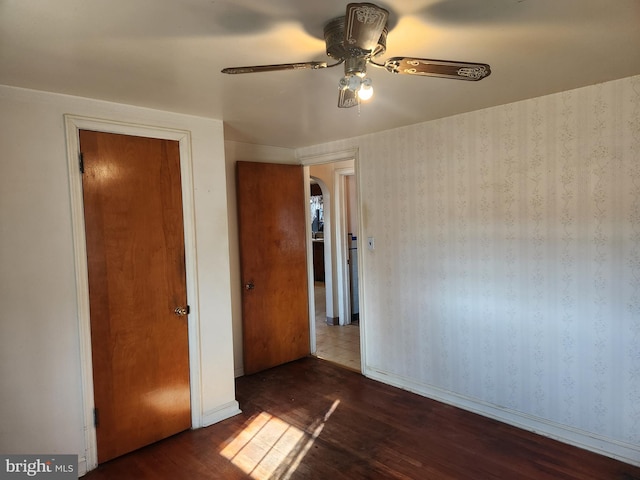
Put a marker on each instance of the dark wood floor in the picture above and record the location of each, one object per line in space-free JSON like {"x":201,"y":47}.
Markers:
{"x":311,"y":419}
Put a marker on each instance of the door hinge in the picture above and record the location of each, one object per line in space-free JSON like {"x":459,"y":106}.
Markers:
{"x":81,"y":161}
{"x":96,"y":418}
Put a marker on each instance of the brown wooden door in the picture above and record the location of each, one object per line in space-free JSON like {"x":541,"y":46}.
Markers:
{"x":135,"y":254}
{"x":273,"y":258}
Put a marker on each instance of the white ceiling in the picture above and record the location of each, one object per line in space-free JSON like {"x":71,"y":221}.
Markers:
{"x":167,"y":54}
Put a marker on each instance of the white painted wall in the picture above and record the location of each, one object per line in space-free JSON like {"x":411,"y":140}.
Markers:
{"x":40,"y":387}
{"x":506,"y":271}
{"x":235,"y":152}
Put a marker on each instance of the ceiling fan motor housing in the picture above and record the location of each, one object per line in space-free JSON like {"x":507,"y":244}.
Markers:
{"x":334,"y":39}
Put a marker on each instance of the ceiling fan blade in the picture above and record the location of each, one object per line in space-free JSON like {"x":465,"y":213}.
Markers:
{"x":348,"y":98}
{"x":276,"y":68}
{"x":364,"y":24}
{"x":438,"y":68}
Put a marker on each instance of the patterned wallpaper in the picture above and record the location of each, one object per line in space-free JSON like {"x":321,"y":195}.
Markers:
{"x":507,"y":260}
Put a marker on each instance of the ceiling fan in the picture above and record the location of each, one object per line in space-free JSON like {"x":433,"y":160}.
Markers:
{"x":355,"y":40}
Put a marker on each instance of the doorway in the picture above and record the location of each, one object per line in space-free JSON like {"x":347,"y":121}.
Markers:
{"x":73,"y":125}
{"x":336,"y":330}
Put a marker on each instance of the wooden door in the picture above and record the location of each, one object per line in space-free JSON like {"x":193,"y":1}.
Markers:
{"x":273,"y":258}
{"x":136,"y":265}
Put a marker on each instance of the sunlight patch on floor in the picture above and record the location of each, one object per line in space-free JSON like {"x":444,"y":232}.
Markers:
{"x":272,"y":448}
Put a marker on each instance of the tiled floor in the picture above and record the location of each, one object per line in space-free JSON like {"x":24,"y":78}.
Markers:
{"x":336,"y":343}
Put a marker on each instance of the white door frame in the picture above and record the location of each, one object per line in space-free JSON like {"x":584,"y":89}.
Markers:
{"x":342,"y":243}
{"x":73,"y":124}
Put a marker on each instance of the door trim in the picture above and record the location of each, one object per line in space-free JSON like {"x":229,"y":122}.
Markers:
{"x":73,"y":124}
{"x":342,"y":244}
{"x":310,"y":278}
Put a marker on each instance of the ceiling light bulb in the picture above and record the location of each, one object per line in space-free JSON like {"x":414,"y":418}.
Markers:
{"x":366,"y":90}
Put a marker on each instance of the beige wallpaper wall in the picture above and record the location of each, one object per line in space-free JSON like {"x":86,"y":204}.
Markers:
{"x":506,"y":272}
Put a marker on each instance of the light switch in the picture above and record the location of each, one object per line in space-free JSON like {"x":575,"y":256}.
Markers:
{"x":371,"y":243}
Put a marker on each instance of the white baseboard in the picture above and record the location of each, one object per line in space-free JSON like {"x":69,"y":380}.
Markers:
{"x":82,"y":466}
{"x":221,"y":413}
{"x":622,"y":451}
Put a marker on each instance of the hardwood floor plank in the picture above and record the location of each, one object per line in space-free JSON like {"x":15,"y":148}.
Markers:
{"x":312,"y":419}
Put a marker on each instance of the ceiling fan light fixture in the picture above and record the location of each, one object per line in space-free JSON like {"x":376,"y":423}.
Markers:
{"x":350,"y":82}
{"x":360,"y":88}
{"x":365,"y":92}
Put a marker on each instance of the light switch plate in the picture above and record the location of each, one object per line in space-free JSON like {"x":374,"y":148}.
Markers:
{"x":371,"y":243}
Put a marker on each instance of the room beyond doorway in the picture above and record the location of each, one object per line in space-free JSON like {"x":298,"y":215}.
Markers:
{"x":334,"y":294}
{"x":336,"y":343}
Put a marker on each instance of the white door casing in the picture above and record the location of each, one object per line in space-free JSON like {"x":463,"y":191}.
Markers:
{"x":73,"y":124}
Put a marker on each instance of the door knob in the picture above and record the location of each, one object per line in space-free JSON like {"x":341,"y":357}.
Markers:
{"x":249,"y":286}
{"x":182,"y":311}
